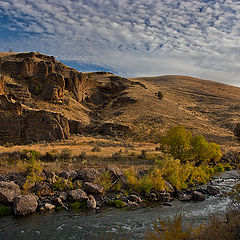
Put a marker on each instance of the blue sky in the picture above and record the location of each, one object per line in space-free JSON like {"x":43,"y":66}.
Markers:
{"x":130,"y":37}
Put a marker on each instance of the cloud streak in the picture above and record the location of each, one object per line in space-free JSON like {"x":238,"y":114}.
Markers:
{"x":130,"y":37}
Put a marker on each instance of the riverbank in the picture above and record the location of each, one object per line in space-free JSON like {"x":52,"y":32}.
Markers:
{"x":112,"y":223}
{"x":39,"y":189}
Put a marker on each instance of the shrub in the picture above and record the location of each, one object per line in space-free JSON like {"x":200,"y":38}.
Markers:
{"x":78,"y":205}
{"x":152,"y":180}
{"x":219,"y":168}
{"x":172,"y":229}
{"x":116,"y":203}
{"x":117,"y":155}
{"x":143,"y":154}
{"x":34,"y":170}
{"x":104,"y":180}
{"x":96,"y":149}
{"x":65,"y":185}
{"x":180,"y":175}
{"x":159,"y":95}
{"x":236,"y":130}
{"x":66,"y":154}
{"x":5,"y":211}
{"x":175,"y":172}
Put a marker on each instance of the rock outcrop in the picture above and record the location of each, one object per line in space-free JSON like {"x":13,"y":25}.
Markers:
{"x":45,"y":76}
{"x":32,"y":125}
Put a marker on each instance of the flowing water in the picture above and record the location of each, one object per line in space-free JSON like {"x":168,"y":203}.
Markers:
{"x":113,"y":223}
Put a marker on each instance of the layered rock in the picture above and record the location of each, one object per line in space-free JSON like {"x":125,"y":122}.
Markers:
{"x":45,"y":76}
{"x":32,"y":125}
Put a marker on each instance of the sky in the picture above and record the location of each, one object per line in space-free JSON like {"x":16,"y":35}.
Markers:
{"x":131,"y":38}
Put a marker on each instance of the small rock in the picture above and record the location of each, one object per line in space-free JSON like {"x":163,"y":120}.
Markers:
{"x":167,"y":204}
{"x":48,"y":206}
{"x":51,"y":176}
{"x":169,"y":186}
{"x":165,"y":197}
{"x":91,"y":202}
{"x":25,"y":204}
{"x":183,"y":197}
{"x":135,"y":198}
{"x":88,"y":174}
{"x":58,"y":202}
{"x":63,"y":196}
{"x":213,"y":190}
{"x":152,"y":196}
{"x":94,"y":188}
{"x":197,"y":196}
{"x":8,"y":191}
{"x":70,"y":174}
{"x":77,"y":195}
{"x":132,"y":204}
{"x":115,"y":171}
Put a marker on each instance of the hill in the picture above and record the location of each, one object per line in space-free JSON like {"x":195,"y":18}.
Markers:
{"x":43,"y":99}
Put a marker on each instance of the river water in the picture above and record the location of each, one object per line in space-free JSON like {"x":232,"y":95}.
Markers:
{"x":113,"y":223}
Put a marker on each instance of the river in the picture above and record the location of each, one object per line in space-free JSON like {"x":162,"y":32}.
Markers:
{"x":112,"y":223}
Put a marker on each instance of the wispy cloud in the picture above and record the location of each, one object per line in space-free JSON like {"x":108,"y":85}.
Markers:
{"x":130,"y":37}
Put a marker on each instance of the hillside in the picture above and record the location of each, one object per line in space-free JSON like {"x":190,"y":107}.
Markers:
{"x":43,"y":99}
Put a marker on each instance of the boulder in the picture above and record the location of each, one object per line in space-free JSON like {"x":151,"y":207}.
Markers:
{"x":91,"y":202}
{"x":152,"y":196}
{"x":132,"y":204}
{"x":212,"y":190}
{"x":165,"y":197}
{"x":8,"y":191}
{"x":198,"y":196}
{"x":115,"y":171}
{"x":88,"y":174}
{"x":63,"y":196}
{"x":183,"y":196}
{"x":49,"y":206}
{"x":25,"y":204}
{"x":93,"y":188}
{"x":77,"y":195}
{"x":68,"y":174}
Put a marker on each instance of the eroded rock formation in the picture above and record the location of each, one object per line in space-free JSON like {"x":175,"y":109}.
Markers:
{"x":44,"y":76}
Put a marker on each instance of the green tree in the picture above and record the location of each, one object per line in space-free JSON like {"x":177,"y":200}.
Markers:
{"x":203,"y":151}
{"x":180,"y":143}
{"x":177,"y":142}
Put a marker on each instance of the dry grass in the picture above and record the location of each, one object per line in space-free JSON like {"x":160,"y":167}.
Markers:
{"x":77,"y":145}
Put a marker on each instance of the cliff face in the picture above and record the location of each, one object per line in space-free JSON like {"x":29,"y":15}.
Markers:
{"x":27,"y":79}
{"x":44,"y":76}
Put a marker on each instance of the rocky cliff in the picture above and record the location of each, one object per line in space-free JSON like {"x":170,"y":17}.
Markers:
{"x":27,"y":79}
